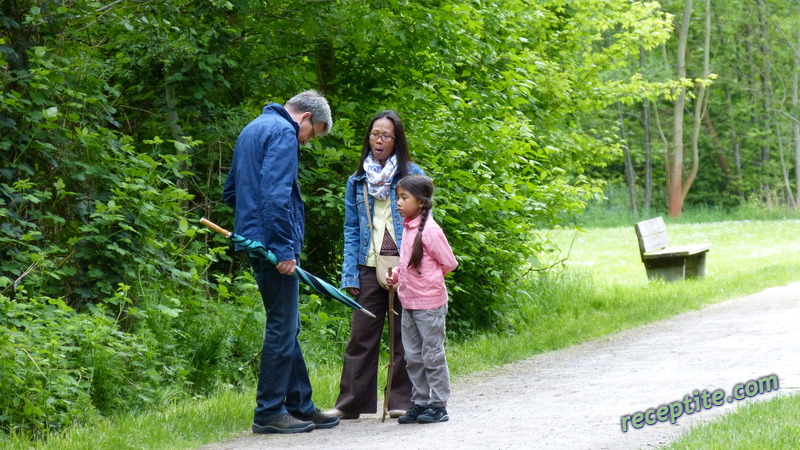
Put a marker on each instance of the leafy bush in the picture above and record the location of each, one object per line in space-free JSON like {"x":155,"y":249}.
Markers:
{"x":61,"y":367}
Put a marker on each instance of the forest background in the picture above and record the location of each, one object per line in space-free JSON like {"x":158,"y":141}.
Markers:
{"x":118,"y":119}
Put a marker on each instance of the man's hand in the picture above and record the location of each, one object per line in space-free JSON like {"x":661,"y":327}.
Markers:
{"x":287,"y":267}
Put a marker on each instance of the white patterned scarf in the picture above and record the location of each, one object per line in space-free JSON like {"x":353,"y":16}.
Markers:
{"x":379,"y":179}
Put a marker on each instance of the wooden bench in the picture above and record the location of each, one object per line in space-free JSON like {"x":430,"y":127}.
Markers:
{"x":665,"y":262}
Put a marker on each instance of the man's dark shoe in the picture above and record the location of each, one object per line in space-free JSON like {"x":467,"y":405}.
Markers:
{"x":433,"y":414}
{"x":411,"y":415}
{"x":283,"y":424}
{"x":320,"y":419}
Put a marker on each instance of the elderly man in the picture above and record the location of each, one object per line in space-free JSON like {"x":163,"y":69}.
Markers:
{"x":262,"y":187}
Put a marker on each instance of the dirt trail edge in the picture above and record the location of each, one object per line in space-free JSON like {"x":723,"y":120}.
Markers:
{"x":574,"y":398}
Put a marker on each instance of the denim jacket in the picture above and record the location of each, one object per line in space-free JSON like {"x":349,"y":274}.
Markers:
{"x":262,"y":184}
{"x":357,"y":233}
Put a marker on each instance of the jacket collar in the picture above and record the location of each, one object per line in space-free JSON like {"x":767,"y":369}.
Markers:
{"x":412,"y":223}
{"x":276,"y":108}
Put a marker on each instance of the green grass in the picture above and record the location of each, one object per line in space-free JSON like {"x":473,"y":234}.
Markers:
{"x":602,"y":289}
{"x":769,"y":424}
{"x":738,"y":247}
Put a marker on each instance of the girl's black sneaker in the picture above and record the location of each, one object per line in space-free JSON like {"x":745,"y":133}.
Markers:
{"x":433,"y":414}
{"x":412,"y":414}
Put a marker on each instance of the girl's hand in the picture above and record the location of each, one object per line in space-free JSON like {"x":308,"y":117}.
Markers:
{"x":391,"y":277}
{"x":354,"y":291}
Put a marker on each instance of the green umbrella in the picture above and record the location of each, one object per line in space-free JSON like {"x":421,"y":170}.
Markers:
{"x":257,"y":249}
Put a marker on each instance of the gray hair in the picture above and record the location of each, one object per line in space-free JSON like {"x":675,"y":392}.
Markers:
{"x":313,"y":102}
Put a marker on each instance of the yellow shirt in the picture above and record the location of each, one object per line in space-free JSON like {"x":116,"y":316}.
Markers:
{"x":381,"y":221}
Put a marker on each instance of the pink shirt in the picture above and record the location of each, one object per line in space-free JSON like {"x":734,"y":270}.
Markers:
{"x":424,"y":289}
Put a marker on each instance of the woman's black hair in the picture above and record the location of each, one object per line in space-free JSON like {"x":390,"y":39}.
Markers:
{"x":400,"y":143}
{"x":421,"y":188}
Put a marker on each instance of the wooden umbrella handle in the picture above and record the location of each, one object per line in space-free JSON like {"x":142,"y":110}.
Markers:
{"x":215,"y":227}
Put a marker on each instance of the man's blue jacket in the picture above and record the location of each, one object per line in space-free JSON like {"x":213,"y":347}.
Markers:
{"x":262,"y":185}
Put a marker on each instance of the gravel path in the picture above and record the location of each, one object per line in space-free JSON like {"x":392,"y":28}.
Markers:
{"x":574,"y":398}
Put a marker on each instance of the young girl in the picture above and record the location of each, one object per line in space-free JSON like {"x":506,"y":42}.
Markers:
{"x":425,"y":257}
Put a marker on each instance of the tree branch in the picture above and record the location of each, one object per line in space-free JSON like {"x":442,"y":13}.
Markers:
{"x":103,"y":8}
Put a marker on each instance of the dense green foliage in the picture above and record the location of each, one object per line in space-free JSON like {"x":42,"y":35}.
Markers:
{"x":747,"y":130}
{"x":117,"y":122}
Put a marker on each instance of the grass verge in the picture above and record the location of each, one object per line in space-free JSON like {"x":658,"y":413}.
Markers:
{"x":760,"y":424}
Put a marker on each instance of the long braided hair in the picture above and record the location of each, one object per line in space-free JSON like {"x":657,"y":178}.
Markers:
{"x":421,"y":188}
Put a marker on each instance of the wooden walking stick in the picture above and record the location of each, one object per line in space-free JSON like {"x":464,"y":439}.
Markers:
{"x":392,"y":312}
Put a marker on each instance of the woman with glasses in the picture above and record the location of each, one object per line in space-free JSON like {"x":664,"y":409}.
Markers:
{"x":372,"y":227}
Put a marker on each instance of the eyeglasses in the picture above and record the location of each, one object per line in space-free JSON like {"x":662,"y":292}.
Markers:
{"x":376,"y":136}
{"x":313,"y":132}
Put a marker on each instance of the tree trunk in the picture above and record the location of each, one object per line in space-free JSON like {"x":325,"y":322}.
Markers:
{"x":785,"y":171}
{"x":325,"y":57}
{"x":172,"y":114}
{"x":667,"y":153}
{"x":676,"y":176}
{"x":172,"y":121}
{"x":795,"y":124}
{"x":628,"y":162}
{"x":737,"y":157}
{"x":766,"y":82}
{"x":648,"y":146}
{"x":700,"y":104}
{"x":753,"y":90}
{"x":722,"y":160}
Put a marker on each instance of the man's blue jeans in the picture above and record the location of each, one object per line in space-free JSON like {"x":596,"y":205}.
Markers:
{"x":283,"y":383}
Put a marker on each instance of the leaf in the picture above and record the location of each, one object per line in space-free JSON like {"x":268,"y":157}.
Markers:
{"x":31,"y":410}
{"x":167,"y":311}
{"x":51,"y":112}
{"x":259,"y":316}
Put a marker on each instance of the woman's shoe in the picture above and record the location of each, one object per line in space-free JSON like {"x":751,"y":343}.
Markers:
{"x":342,"y":415}
{"x":395,"y":413}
